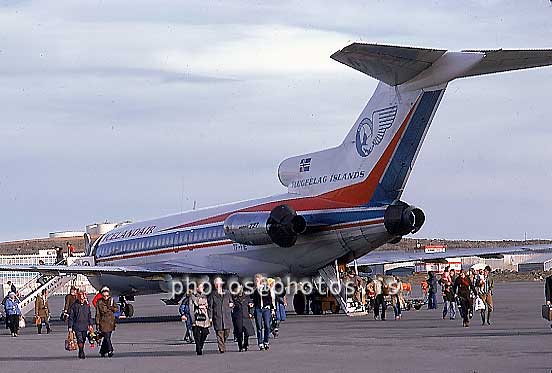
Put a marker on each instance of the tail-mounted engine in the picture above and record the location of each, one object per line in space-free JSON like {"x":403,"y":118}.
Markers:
{"x":281,"y":226}
{"x":401,"y":219}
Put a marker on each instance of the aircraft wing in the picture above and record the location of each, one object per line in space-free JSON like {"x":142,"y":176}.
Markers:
{"x":160,"y":270}
{"x":391,"y":256}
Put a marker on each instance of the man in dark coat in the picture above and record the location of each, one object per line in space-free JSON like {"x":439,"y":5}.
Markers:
{"x":105,"y":320}
{"x":220,"y":304}
{"x":80,"y":321}
{"x":241,"y":318}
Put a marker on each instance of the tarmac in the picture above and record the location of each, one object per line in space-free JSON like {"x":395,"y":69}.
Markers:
{"x":518,"y":340}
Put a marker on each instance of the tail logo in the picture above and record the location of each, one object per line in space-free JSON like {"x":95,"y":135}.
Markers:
{"x":368,"y":136}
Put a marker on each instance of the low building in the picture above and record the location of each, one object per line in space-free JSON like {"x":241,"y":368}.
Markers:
{"x":537,"y":263}
{"x":20,"y":279}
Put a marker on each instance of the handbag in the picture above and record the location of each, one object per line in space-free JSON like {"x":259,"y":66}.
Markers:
{"x":479,"y":304}
{"x":70,"y":343}
{"x":22,"y":323}
{"x":37,"y":320}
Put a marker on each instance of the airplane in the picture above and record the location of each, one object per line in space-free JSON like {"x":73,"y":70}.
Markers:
{"x":342,"y":203}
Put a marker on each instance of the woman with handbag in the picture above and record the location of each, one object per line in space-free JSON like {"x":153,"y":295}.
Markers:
{"x":13,"y":313}
{"x":200,"y":316}
{"x":80,"y":321}
{"x":105,"y":320}
{"x":42,"y":312}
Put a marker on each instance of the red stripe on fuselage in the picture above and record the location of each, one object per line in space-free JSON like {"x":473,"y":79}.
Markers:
{"x":349,"y":196}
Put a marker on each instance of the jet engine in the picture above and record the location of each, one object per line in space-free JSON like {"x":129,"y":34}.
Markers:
{"x":401,"y":219}
{"x":280,"y":226}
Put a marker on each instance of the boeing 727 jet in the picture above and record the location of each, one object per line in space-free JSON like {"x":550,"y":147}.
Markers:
{"x":341,"y":203}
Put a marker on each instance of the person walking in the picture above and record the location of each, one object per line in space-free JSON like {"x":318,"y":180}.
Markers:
{"x":431,"y":291}
{"x":464,"y":288}
{"x":220,"y":304}
{"x":70,"y":299}
{"x":262,"y":308}
{"x":80,"y":321}
{"x":59,"y":255}
{"x":379,"y":300}
{"x":105,"y":320}
{"x":396,"y":296}
{"x":241,"y":318}
{"x":485,"y":292}
{"x":184,"y":311}
{"x":200,"y":315}
{"x":13,"y":313}
{"x":448,"y":295}
{"x":42,"y":312}
{"x":70,"y":249}
{"x":281,"y":302}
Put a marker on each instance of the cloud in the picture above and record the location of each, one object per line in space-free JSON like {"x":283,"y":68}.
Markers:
{"x":117,"y":110}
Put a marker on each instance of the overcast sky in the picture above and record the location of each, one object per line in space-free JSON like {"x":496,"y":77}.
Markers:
{"x":134,"y":109}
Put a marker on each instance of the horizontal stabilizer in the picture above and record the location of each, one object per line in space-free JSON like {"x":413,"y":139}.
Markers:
{"x":422,"y":67}
{"x":390,"y":64}
{"x":505,"y":60}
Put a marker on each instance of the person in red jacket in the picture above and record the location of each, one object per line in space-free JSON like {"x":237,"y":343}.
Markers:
{"x":70,"y":249}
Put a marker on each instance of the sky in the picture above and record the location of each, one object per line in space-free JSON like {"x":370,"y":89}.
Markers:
{"x":129,"y":110}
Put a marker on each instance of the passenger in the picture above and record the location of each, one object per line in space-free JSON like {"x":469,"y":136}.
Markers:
{"x":96,"y":298}
{"x":281,"y":301}
{"x":200,"y":315}
{"x":263,"y":307}
{"x":42,"y":312}
{"x":448,"y":295}
{"x":396,"y":296}
{"x":463,"y":288}
{"x":70,"y":249}
{"x":70,"y":299}
{"x":379,"y":301}
{"x":13,"y":313}
{"x":274,"y":323}
{"x":241,"y":318}
{"x":431,"y":291}
{"x":485,"y":292}
{"x":105,"y":320}
{"x":220,"y":304}
{"x":13,"y":289}
{"x":59,"y":255}
{"x":80,"y":321}
{"x":184,"y":311}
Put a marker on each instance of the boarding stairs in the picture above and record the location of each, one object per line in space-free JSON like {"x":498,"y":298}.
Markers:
{"x":334,"y":283}
{"x":32,"y":289}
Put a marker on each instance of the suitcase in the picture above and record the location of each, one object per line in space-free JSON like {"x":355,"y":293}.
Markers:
{"x":547,"y":312}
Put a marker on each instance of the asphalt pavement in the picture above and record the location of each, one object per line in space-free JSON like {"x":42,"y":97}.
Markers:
{"x":517,"y":341}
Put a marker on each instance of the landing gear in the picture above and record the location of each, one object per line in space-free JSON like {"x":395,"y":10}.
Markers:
{"x":126,"y":308}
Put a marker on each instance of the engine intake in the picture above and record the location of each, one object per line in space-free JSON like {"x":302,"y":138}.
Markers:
{"x":281,"y":226}
{"x":401,"y":219}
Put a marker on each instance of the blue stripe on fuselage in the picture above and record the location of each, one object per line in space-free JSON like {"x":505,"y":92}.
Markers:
{"x":213,"y":233}
{"x":389,"y":188}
